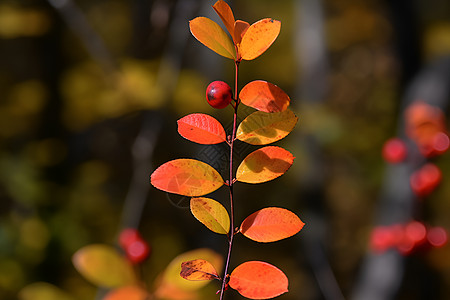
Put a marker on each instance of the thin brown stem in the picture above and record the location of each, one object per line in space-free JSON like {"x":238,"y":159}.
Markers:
{"x":231,"y":184}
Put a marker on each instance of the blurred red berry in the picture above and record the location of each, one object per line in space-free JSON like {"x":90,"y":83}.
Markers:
{"x":426,"y":126}
{"x":394,"y":150}
{"x":440,"y":142}
{"x":425,"y":180}
{"x":380,"y":239}
{"x":416,"y":232}
{"x":135,"y":247}
{"x":219,"y":94}
{"x":437,"y":236}
{"x":414,"y":235}
{"x":128,"y":236}
{"x":137,"y":251}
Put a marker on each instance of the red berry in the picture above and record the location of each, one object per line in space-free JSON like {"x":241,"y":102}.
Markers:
{"x":416,"y":232}
{"x":128,"y":236}
{"x":381,"y":239}
{"x":219,"y":94}
{"x":441,"y":142}
{"x":425,"y":180}
{"x":437,"y":236}
{"x":137,"y":251}
{"x":394,"y":150}
{"x":135,"y":247}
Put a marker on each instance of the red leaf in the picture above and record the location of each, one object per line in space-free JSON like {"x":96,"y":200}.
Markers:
{"x":202,"y":129}
{"x":187,"y":177}
{"x":197,"y":270}
{"x":271,"y":224}
{"x":258,"y":280}
{"x":264,"y":96}
{"x":264,"y":164}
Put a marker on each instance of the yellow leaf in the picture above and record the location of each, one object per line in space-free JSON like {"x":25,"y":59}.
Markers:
{"x":210,"y":34}
{"x":261,"y":128}
{"x":211,"y":213}
{"x":103,"y":266}
{"x":43,"y":291}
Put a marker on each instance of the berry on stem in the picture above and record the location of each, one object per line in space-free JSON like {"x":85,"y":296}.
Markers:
{"x":219,"y":94}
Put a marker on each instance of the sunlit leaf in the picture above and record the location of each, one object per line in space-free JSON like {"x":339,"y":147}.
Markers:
{"x":264,"y":96}
{"x":240,"y":28}
{"x":188,"y":177}
{"x":258,"y":38}
{"x":226,"y":14}
{"x":202,"y":129}
{"x":198,"y":270}
{"x":258,"y":280}
{"x":171,"y":279}
{"x":210,"y":34}
{"x":261,"y":128}
{"x":271,"y":224}
{"x":264,"y":164}
{"x":103,"y":266}
{"x":211,"y":213}
{"x":131,"y":292}
{"x":43,"y":291}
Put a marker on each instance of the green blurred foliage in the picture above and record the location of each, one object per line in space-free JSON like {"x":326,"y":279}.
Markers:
{"x":68,"y":122}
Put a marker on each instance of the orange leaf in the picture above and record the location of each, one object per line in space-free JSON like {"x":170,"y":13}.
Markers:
{"x":271,"y":224}
{"x":197,"y":270}
{"x":103,"y":266}
{"x":188,"y":177}
{"x":202,"y":129}
{"x":258,"y":280}
{"x":264,"y":164}
{"x":210,"y":34}
{"x":131,"y":292}
{"x":240,"y":28}
{"x":261,"y":128}
{"x":211,"y":213}
{"x":226,"y":14}
{"x":264,"y":96}
{"x":258,"y":38}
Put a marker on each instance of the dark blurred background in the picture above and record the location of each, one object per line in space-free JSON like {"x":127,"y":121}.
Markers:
{"x":90,"y":91}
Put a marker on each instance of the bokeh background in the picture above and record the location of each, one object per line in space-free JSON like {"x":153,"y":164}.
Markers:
{"x":90,"y":91}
